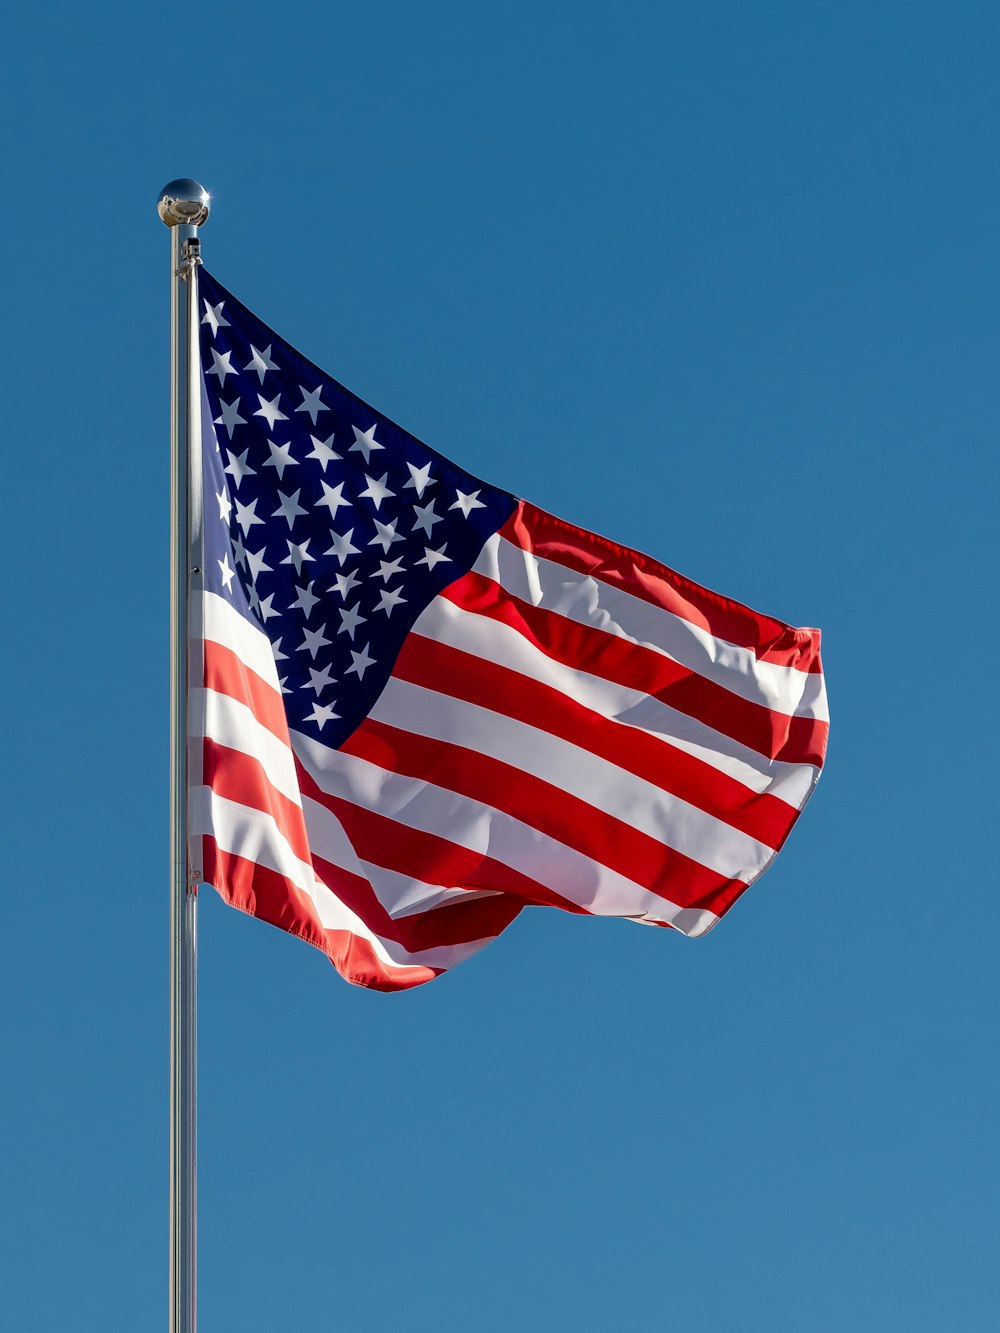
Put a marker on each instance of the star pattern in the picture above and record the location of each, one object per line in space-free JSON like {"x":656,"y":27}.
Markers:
{"x":425,"y":518}
{"x":260,"y":362}
{"x":257,"y":564}
{"x":321,"y":714}
{"x":289,"y":508}
{"x":214,"y":317}
{"x":311,"y":403}
{"x":298,"y":554}
{"x":353,"y":530}
{"x":238,"y":467}
{"x":467,"y":502}
{"x":389,"y":598}
{"x":229,"y":415}
{"x":323,"y":451}
{"x":281,"y":458}
{"x":221,"y":365}
{"x":270,"y":410}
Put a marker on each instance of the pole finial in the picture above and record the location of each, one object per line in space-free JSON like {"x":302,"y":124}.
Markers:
{"x":184,"y":203}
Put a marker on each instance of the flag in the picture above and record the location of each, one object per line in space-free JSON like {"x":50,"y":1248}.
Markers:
{"x":419,"y":704}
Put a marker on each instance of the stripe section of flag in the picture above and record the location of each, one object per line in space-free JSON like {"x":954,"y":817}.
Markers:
{"x":548,"y":537}
{"x":284,"y":858}
{"x":510,"y":759}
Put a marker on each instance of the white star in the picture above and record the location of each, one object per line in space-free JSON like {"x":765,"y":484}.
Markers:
{"x":222,"y":365}
{"x":256,"y":563}
{"x":276,"y":652}
{"x":230,"y":416}
{"x":420,"y":479}
{"x":342,"y":546}
{"x":314,"y":641}
{"x":225,"y":504}
{"x":225,"y":571}
{"x":360,"y":662}
{"x":345,"y":582}
{"x":365,"y":441}
{"x":311,"y":403}
{"x":319,"y":680}
{"x":266,"y":610}
{"x":333,"y":497}
{"x":280,"y":458}
{"x":431,"y":558}
{"x":426,"y":517}
{"x":238,"y":468}
{"x":281,"y":685}
{"x":246,"y":515}
{"x":387,"y":599}
{"x":253,"y":597}
{"x":297,"y":554}
{"x":321,"y":714}
{"x":214,"y":318}
{"x":261,"y":362}
{"x":376,"y":490}
{"x":388,"y":568}
{"x":269,"y":410}
{"x":322,"y":452}
{"x":239,"y":551}
{"x":467,"y":502}
{"x":305,"y":601}
{"x":289,"y":507}
{"x":350,"y":620}
{"x":385,"y":536}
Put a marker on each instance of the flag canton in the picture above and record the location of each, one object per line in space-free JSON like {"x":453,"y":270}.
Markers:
{"x":325,"y":524}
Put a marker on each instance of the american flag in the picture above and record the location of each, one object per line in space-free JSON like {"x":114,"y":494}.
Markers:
{"x":419,"y":704}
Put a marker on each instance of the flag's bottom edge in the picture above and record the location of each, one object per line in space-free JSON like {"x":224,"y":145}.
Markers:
{"x":352,"y":956}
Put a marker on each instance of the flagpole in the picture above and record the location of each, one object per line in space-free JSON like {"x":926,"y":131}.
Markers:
{"x":184,"y":206}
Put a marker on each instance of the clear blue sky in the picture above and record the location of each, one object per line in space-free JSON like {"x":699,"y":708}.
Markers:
{"x":717,"y":280}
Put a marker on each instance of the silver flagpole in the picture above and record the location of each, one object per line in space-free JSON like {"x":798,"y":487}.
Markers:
{"x":183,"y":205}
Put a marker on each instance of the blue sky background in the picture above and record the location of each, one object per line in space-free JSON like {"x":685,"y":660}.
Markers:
{"x":718,"y":280}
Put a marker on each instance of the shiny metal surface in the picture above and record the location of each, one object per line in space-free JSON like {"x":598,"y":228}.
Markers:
{"x":185,"y":408}
{"x":184,"y":202}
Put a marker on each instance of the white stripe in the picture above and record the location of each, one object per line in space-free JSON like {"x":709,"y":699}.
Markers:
{"x":484,"y":637}
{"x":412,"y":898}
{"x":231,"y":723}
{"x":481,"y":829}
{"x":255,"y":836}
{"x":399,"y":894}
{"x":587,"y":600}
{"x":224,"y":625}
{"x":569,"y":768}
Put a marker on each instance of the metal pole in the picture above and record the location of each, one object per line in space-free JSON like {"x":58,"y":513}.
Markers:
{"x":183,"y":205}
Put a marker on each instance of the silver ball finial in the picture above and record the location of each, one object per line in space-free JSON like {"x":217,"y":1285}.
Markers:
{"x":183,"y":203}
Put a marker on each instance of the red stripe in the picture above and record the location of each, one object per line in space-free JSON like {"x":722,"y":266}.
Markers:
{"x":240,"y":778}
{"x":592,"y":832}
{"x":264,"y":893}
{"x":585,"y":552}
{"x":447,"y":670}
{"x":227,"y":673}
{"x":382,"y":841}
{"x":457,"y":922}
{"x":427,"y":856}
{"x":775,"y":735}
